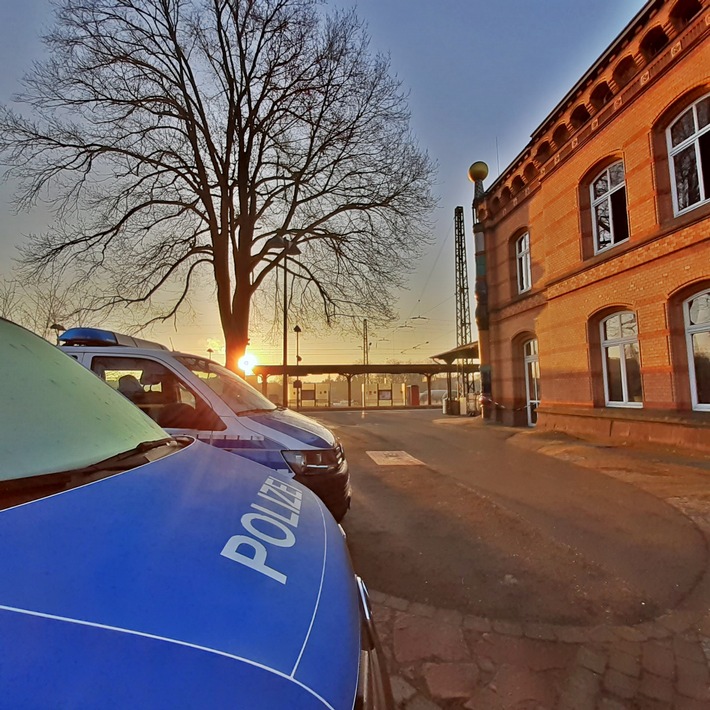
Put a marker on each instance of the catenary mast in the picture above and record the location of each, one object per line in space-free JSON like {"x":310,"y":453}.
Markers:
{"x":463,"y":309}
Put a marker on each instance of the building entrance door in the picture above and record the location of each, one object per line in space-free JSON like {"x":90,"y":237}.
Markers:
{"x":532,"y":380}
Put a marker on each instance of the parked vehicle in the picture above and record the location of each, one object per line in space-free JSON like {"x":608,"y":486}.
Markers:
{"x":142,"y":570}
{"x":437,"y":397}
{"x":188,"y":394}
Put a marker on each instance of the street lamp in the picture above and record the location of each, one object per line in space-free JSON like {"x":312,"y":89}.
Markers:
{"x":288,"y":247}
{"x":477,"y":173}
{"x":298,"y":383}
{"x":57,"y":328}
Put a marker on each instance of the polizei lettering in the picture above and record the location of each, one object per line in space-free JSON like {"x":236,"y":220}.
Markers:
{"x":273,"y":523}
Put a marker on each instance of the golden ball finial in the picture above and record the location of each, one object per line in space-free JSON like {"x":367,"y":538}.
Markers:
{"x":478,"y":171}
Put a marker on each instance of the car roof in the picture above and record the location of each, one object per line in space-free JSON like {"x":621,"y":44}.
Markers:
{"x":99,"y":337}
{"x":100,"y":340}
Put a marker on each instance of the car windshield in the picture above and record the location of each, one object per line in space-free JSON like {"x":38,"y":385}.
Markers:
{"x":57,"y":416}
{"x":235,"y":392}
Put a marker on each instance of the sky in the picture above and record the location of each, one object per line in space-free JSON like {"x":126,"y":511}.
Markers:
{"x":481,"y":77}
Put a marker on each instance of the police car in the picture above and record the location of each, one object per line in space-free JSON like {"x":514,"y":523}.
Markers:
{"x":187,"y":394}
{"x":142,"y":570}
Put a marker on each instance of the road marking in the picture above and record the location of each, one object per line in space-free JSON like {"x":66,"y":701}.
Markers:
{"x":393,"y":458}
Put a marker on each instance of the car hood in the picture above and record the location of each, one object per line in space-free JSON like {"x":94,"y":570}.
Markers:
{"x":295,"y":431}
{"x":130,"y":591}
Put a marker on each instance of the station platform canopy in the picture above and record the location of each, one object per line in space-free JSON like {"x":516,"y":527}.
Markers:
{"x":469,"y":351}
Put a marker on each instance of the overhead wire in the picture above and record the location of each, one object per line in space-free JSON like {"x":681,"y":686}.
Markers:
{"x":449,"y":235}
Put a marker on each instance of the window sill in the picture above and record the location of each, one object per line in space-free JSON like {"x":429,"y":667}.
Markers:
{"x":603,"y":252}
{"x":680,"y":214}
{"x":667,"y":227}
{"x":686,"y":217}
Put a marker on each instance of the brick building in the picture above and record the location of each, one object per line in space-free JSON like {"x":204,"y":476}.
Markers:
{"x":597,"y":242}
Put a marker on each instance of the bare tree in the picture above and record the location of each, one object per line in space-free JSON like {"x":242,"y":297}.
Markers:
{"x":44,"y":306}
{"x":185,"y":142}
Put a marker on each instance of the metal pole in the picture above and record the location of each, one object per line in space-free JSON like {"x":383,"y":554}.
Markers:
{"x":297,"y":331}
{"x":477,"y":174}
{"x":284,"y":396}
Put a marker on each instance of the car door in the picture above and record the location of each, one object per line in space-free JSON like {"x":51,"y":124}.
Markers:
{"x":159,"y":391}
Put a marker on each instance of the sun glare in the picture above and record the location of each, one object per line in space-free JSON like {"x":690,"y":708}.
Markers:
{"x":247,"y":363}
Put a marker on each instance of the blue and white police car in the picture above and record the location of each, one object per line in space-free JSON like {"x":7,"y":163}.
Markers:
{"x":187,"y":394}
{"x":142,"y":570}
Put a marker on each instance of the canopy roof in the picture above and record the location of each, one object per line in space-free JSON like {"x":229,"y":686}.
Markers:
{"x":469,"y":351}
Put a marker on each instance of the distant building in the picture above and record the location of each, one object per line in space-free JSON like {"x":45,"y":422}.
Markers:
{"x":598,"y":246}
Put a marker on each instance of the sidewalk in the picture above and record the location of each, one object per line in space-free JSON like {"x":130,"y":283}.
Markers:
{"x":440,"y":658}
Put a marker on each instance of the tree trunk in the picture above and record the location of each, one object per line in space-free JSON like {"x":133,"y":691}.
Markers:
{"x":237,"y":332}
{"x":236,"y":345}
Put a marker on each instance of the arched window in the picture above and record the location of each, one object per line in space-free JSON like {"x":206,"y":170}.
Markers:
{"x":609,"y":218}
{"x":696,"y":311}
{"x":522,"y":258}
{"x":621,"y":360}
{"x":688,"y":139}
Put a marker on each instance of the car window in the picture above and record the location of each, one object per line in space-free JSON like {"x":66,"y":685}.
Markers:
{"x":56,"y":415}
{"x":155,"y":389}
{"x":235,"y":392}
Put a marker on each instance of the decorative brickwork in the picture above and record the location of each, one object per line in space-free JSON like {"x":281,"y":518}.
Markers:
{"x":619,"y":111}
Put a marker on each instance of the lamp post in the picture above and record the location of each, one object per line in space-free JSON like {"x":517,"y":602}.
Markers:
{"x":477,"y":173}
{"x":298,"y":383}
{"x":288,"y":247}
{"x":57,"y":328}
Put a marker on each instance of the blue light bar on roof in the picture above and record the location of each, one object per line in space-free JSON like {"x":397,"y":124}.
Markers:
{"x":97,"y":336}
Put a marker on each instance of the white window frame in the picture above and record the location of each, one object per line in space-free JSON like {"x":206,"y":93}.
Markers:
{"x":618,"y":342}
{"x":523,"y":262}
{"x":690,"y":330}
{"x":606,"y":197}
{"x":693,"y":140}
{"x":531,"y":358}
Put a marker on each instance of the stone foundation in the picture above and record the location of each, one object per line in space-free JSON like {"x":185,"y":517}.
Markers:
{"x":687,"y":431}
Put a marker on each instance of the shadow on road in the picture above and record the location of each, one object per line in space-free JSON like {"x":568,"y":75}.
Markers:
{"x":499,"y":532}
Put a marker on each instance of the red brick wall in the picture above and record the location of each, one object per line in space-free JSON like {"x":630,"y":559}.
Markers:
{"x":571,"y":286}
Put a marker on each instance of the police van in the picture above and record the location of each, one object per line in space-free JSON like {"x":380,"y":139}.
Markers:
{"x":141,"y":570}
{"x":191,"y":395}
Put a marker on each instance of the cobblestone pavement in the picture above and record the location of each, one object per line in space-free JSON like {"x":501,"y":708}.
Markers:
{"x":440,"y":658}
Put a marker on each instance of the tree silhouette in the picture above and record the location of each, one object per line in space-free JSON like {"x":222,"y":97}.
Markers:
{"x":192,"y":142}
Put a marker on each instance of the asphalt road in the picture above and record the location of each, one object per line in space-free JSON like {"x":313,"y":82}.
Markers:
{"x":492,"y":530}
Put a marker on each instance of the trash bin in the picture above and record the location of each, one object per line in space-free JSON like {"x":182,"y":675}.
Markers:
{"x":473,"y":408}
{"x":450,"y":406}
